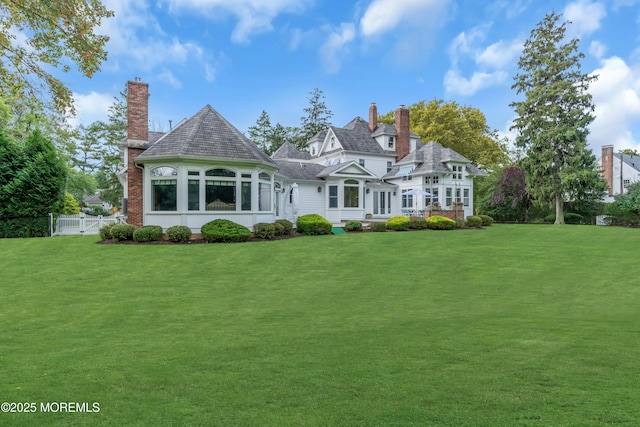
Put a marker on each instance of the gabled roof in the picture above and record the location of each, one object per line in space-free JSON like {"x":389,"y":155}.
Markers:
{"x":206,"y":135}
{"x":633,"y":161}
{"x":297,"y":170}
{"x":351,"y":168}
{"x":355,"y":136}
{"x":289,"y":151}
{"x":385,"y":129}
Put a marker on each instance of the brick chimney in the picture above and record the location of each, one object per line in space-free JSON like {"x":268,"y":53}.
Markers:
{"x":137,"y":140}
{"x":402,"y":129}
{"x":373,"y":117}
{"x":607,"y":166}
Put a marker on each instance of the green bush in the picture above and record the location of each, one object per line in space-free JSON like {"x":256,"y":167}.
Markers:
{"x":96,"y":211}
{"x":486,"y":220}
{"x":147,"y":233}
{"x":461,"y":223}
{"x":179,"y":233}
{"x":223,"y":230}
{"x":279,"y":229}
{"x":105,"y":231}
{"x":24,"y":227}
{"x":438,"y":222}
{"x":313,"y":224}
{"x":417,"y":223}
{"x":474,"y":221}
{"x":569,"y":218}
{"x":353,"y":225}
{"x":288,"y":226}
{"x":398,"y":223}
{"x":264,"y":230}
{"x":122,"y":231}
{"x":378,"y":227}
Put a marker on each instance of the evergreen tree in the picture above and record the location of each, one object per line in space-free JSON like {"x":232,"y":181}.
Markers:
{"x":261,"y":132}
{"x":553,"y":119}
{"x":317,"y":118}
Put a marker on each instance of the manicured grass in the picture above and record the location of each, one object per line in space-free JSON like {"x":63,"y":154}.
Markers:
{"x":510,"y":325}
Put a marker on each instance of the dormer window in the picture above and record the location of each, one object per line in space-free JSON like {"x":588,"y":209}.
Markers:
{"x":313,"y":150}
{"x":391,"y":142}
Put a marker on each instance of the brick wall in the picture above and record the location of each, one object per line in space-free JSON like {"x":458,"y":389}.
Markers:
{"x":607,"y":166}
{"x":137,"y":138}
{"x":402,"y":127}
{"x":134,"y":199}
{"x":447,"y":214}
{"x":373,"y":117}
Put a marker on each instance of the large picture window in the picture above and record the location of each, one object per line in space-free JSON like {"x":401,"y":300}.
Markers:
{"x":351,"y":193}
{"x":164,"y":189}
{"x":220,"y":193}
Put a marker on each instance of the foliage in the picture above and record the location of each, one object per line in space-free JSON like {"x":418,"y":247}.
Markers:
{"x":264,"y":230}
{"x":353,"y":225}
{"x":617,"y":216}
{"x":474,"y":221}
{"x":398,"y":223}
{"x":510,"y":200}
{"x":80,"y":184}
{"x":378,"y":227}
{"x":122,"y":231}
{"x":552,"y":122}
{"x":147,"y":233}
{"x":225,"y":231}
{"x":71,"y":207}
{"x":36,"y":37}
{"x":269,"y":138}
{"x":105,"y":231}
{"x":178,"y":233}
{"x":461,"y":223}
{"x":486,"y":220}
{"x":464,"y":129}
{"x":438,"y":222}
{"x":625,"y":209}
{"x":569,"y":218}
{"x":417,"y":223}
{"x":313,"y":224}
{"x":317,"y":117}
{"x":288,"y":225}
{"x":278,"y":229}
{"x":95,"y":211}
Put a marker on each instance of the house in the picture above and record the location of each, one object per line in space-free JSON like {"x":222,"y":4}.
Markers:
{"x":204,"y":168}
{"x":619,"y":170}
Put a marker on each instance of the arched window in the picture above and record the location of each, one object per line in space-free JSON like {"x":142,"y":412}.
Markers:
{"x":220,"y":190}
{"x":164,"y":189}
{"x":351,"y":193}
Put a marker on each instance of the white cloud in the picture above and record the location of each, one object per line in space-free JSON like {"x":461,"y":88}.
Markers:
{"x":91,"y":107}
{"x":585,"y":16}
{"x":384,"y":15}
{"x":254,"y":16}
{"x":457,"y":84}
{"x":616,"y":95}
{"x":333,"y":51}
{"x":597,"y":49}
{"x":168,"y":77}
{"x":499,"y":54}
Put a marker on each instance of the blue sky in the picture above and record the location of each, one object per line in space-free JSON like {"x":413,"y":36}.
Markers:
{"x":245,"y":56}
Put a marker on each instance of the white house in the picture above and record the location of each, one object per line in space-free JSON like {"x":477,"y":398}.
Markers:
{"x":619,"y":170}
{"x":204,"y":168}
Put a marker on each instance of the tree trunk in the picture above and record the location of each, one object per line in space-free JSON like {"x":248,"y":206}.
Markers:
{"x":559,"y":210}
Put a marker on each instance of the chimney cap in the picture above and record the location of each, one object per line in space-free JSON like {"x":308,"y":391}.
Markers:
{"x":138,"y":79}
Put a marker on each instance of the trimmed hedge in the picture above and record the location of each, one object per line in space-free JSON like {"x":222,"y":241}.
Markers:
{"x":353,"y":225}
{"x":486,"y":220}
{"x":398,"y":223}
{"x":279,"y":229}
{"x":264,"y":230}
{"x":105,"y":231}
{"x":122,"y":231}
{"x":223,"y":230}
{"x":474,"y":221}
{"x":438,"y":222}
{"x":288,"y":225}
{"x":417,"y":223}
{"x":378,"y":227}
{"x":179,"y":233}
{"x":147,"y":233}
{"x":313,"y":224}
{"x":24,"y":227}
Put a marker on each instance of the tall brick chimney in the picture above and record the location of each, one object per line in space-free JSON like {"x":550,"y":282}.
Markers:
{"x":137,"y":141}
{"x":607,"y":166}
{"x":373,"y":117}
{"x":402,"y":129}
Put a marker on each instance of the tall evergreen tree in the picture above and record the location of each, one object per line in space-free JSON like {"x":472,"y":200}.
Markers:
{"x":260,"y":133}
{"x":317,"y":117}
{"x":553,"y":119}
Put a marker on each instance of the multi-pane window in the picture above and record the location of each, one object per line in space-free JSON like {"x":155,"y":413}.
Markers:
{"x":457,"y":171}
{"x":431,"y":179}
{"x":389,"y":166}
{"x":351,"y":193}
{"x":361,"y":162}
{"x":390,"y":144}
{"x":407,"y":199}
{"x":264,"y":192}
{"x":193,"y":191}
{"x":333,"y":196}
{"x":433,"y":198}
{"x":449,"y":196}
{"x":164,"y":189}
{"x":626,"y":183}
{"x":220,"y":190}
{"x":465,"y":196}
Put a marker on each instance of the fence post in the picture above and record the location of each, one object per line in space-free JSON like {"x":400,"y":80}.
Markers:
{"x":82,"y":223}
{"x":50,"y":225}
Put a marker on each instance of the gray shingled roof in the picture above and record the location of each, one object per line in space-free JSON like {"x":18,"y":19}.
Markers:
{"x":289,"y":151}
{"x":298,"y":170}
{"x":633,"y":161}
{"x":355,"y":136}
{"x":205,"y":135}
{"x":385,"y":129}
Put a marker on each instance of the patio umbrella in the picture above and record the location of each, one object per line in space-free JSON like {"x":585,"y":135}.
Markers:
{"x":417,"y":192}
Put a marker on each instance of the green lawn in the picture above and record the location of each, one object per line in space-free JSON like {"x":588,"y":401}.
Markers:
{"x":510,"y":325}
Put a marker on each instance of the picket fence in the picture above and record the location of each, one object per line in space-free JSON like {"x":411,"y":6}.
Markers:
{"x":80,"y":224}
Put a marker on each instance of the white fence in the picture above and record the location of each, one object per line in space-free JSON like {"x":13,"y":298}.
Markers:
{"x":603,"y":220}
{"x":80,"y":224}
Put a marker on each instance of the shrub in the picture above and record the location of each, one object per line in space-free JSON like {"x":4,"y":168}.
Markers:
{"x":95,"y":211}
{"x":438,"y":222}
{"x":461,"y":223}
{"x":353,"y":225}
{"x":288,"y":225}
{"x":313,"y":224}
{"x":223,"y":230}
{"x":105,"y":231}
{"x":569,"y":218}
{"x":147,"y":233}
{"x":417,"y":223}
{"x":122,"y":231}
{"x":474,"y":221}
{"x":398,"y":223}
{"x":378,"y":226}
{"x":179,"y":233}
{"x":278,"y":228}
{"x":486,"y":220}
{"x":264,"y":230}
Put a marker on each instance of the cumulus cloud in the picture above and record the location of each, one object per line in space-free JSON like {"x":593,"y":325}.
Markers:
{"x":90,"y":107}
{"x":334,"y":49}
{"x":253,"y":16}
{"x":585,"y":16}
{"x":616,"y":95}
{"x":384,"y":15}
{"x":499,"y":54}
{"x":455,"y":83}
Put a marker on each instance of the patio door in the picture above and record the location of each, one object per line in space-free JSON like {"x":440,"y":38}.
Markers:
{"x":381,"y":202}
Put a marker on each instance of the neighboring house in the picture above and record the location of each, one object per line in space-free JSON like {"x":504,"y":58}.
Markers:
{"x":619,"y":170}
{"x":94,"y":200}
{"x":204,"y":169}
